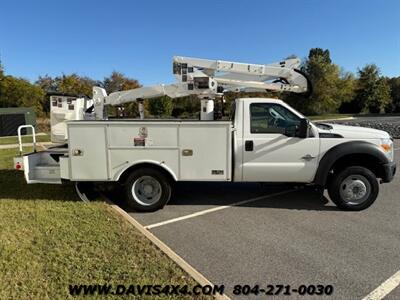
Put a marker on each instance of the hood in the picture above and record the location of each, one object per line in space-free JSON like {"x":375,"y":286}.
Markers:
{"x":352,"y":132}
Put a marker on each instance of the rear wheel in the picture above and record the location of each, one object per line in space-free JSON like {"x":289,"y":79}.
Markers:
{"x":354,"y":188}
{"x":147,"y":189}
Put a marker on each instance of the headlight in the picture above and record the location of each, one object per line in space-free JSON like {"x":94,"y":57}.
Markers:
{"x":387,"y":147}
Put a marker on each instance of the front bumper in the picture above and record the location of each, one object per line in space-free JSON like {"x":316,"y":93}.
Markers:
{"x":389,"y":170}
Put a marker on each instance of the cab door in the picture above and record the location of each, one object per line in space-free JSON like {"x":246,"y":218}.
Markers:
{"x":271,"y":150}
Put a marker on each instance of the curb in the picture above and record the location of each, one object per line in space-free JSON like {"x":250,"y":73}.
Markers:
{"x":196,"y":275}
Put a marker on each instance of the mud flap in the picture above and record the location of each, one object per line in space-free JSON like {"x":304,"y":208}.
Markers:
{"x":86,"y":191}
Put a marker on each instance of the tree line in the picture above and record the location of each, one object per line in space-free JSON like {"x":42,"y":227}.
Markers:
{"x":337,"y":91}
{"x":334,"y":91}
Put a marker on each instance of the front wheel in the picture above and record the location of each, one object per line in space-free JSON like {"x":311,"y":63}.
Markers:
{"x":147,"y":190}
{"x":354,"y":188}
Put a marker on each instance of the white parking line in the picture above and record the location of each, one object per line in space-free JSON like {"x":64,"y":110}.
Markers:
{"x":207,"y":211}
{"x":385,"y":288}
{"x":397,"y":148}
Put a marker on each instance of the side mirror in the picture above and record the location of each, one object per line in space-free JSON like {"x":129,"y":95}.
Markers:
{"x":302,"y":131}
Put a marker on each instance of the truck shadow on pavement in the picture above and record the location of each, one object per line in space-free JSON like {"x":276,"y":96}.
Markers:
{"x":13,"y":186}
{"x":300,"y":198}
{"x":211,"y":194}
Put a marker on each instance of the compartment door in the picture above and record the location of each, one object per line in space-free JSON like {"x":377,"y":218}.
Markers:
{"x":204,"y":152}
{"x":88,"y":152}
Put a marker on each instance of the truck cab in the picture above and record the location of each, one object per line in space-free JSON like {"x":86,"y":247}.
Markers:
{"x":275,"y":143}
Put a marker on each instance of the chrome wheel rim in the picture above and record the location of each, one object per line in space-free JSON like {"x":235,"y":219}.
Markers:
{"x":146,"y":190}
{"x":355,"y":189}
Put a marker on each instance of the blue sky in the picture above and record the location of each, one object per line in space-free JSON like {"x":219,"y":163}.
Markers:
{"x":94,"y":38}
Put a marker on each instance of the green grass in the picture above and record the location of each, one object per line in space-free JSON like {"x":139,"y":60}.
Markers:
{"x":49,"y":239}
{"x":25,"y":139}
{"x":329,"y":116}
{"x":6,"y":158}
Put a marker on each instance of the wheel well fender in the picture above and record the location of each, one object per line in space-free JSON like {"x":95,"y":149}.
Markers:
{"x":356,"y":153}
{"x":124,"y":173}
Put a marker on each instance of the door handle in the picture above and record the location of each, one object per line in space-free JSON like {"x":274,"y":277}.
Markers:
{"x":248,"y":146}
{"x":187,"y":152}
{"x":308,"y":157}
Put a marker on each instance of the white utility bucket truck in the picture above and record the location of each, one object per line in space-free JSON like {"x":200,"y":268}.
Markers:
{"x":265,"y":141}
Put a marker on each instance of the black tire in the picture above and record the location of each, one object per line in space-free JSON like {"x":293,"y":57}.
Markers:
{"x":141,"y":200}
{"x":358,"y":180}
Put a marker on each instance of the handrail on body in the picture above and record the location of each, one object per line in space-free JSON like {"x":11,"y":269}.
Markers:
{"x":20,"y":138}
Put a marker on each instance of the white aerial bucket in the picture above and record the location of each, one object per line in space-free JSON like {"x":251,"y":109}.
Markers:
{"x":63,"y":109}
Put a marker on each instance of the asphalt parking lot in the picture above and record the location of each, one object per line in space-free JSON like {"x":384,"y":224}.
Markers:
{"x":254,"y":234}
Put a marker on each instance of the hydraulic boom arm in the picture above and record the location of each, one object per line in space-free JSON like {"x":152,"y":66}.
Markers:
{"x":208,"y":78}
